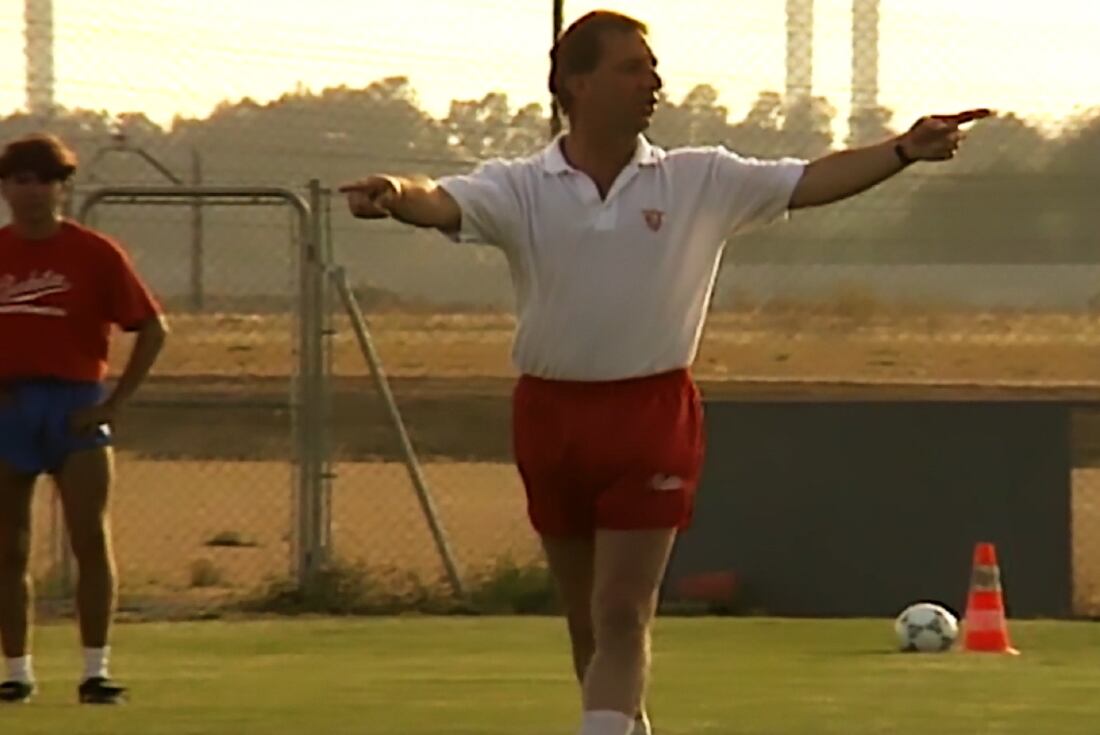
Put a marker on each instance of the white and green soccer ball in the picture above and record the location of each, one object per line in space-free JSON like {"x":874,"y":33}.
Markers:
{"x":926,"y":627}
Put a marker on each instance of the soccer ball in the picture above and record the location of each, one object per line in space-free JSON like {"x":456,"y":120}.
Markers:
{"x":926,"y":627}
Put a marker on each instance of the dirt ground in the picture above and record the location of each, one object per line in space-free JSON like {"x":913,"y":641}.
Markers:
{"x":188,"y":531}
{"x":845,"y":344}
{"x":207,"y":446}
{"x":452,"y":371}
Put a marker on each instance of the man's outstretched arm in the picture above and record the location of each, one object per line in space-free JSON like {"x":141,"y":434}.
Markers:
{"x":415,"y":201}
{"x":846,"y":173}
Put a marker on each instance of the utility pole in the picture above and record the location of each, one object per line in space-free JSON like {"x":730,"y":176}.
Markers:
{"x":555,"y":112}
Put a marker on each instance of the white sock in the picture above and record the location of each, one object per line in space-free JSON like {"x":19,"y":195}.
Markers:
{"x":641,"y":725}
{"x":606,"y":722}
{"x":95,"y":662}
{"x":21,"y":669}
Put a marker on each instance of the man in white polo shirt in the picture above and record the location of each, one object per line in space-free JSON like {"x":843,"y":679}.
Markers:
{"x":613,"y":246}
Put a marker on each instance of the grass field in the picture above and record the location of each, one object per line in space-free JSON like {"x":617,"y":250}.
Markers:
{"x":502,"y":676}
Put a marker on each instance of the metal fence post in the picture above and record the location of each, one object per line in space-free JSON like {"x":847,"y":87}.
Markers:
{"x":319,"y":470}
{"x":312,"y":507}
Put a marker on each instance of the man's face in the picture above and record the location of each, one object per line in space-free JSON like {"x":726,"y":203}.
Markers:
{"x":32,"y":198}
{"x":621,"y":92}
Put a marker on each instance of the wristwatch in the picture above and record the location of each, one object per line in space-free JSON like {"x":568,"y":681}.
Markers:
{"x":899,"y":150}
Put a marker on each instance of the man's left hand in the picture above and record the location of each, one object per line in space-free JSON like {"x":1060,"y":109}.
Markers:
{"x":86,"y":420}
{"x":937,"y":137}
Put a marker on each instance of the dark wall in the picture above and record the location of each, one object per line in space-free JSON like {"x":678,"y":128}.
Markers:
{"x":860,"y":508}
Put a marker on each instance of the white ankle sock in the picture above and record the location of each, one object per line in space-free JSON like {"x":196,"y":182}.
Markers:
{"x":95,"y":662}
{"x":641,"y":725}
{"x":606,"y":722}
{"x":21,"y":669}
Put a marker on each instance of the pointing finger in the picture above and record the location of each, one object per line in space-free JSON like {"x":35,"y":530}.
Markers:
{"x":967,"y":116}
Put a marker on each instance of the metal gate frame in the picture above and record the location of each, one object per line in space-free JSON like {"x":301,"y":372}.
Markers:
{"x":312,"y":545}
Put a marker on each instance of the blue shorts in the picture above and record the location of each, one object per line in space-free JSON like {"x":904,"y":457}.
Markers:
{"x":35,"y":435}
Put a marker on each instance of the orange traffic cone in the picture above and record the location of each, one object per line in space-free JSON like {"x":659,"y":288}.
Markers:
{"x":985,"y":627}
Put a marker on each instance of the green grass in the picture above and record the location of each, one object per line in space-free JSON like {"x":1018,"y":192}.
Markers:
{"x":503,"y":676}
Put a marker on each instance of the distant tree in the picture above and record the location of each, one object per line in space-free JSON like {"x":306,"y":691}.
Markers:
{"x":697,"y":120}
{"x":992,"y":204}
{"x":1073,"y":176}
{"x":1014,"y":194}
{"x":487,"y":128}
{"x":866,"y":127}
{"x":339,"y":133}
{"x":771,"y":129}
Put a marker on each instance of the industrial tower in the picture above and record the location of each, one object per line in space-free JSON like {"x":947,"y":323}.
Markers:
{"x":38,"y":33}
{"x":867,"y":120}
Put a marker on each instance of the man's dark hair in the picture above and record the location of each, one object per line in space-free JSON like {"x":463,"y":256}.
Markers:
{"x":578,"y":49}
{"x":41,"y":154}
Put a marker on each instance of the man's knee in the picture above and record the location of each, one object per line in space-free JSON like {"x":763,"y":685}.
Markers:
{"x":623,"y":621}
{"x":90,"y":543}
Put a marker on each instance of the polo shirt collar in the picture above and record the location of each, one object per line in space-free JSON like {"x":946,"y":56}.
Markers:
{"x":553,"y":158}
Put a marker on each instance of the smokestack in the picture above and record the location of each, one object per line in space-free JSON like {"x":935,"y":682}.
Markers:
{"x":865,"y":22}
{"x":800,"y":50}
{"x":38,"y":16}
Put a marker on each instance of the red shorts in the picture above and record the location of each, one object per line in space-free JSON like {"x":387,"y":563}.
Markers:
{"x":623,"y":454}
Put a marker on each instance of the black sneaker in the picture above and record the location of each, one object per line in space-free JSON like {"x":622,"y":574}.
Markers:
{"x":101,"y":690}
{"x":16,"y":692}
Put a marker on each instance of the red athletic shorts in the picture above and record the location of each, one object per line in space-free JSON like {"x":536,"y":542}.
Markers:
{"x":623,"y":454}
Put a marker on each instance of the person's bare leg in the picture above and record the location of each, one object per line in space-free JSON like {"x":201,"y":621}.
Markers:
{"x":84,"y":482}
{"x":16,"y":585}
{"x":572,"y":564}
{"x":629,"y":567}
{"x":571,"y":561}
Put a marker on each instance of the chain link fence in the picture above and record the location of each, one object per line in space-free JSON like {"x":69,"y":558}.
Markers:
{"x":206,"y":507}
{"x":977,"y":275}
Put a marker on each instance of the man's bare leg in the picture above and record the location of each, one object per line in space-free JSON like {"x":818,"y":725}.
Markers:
{"x":85,"y":482}
{"x":572,"y":563}
{"x":629,"y":567}
{"x":16,"y":585}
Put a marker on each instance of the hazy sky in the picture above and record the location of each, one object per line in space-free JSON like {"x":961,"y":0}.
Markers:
{"x":167,"y":57}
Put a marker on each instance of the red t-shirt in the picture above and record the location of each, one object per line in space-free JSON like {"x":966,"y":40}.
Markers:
{"x":58,"y":299}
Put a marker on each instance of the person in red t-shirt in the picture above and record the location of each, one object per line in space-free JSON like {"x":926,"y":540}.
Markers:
{"x":62,"y":289}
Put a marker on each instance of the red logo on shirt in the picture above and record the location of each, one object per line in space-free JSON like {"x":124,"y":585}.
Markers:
{"x":24,"y":296}
{"x":653,"y":218}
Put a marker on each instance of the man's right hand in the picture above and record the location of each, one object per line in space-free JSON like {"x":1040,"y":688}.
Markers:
{"x":417,"y":201}
{"x":372,"y":197}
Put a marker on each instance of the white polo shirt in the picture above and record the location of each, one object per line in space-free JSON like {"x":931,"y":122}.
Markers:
{"x":616,"y":288}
